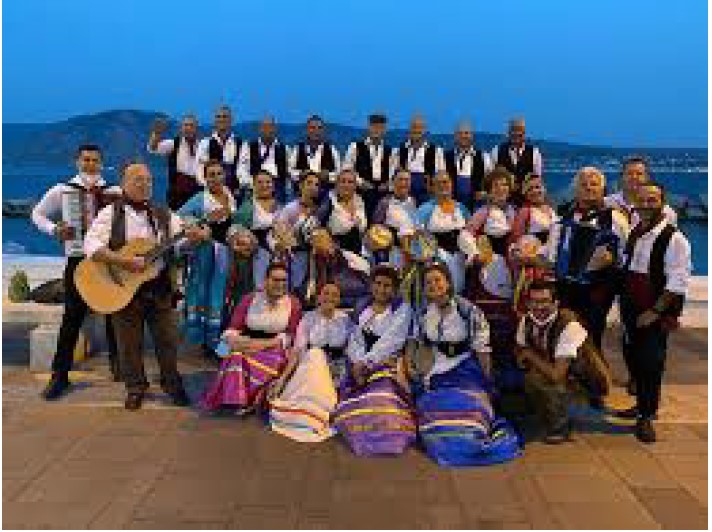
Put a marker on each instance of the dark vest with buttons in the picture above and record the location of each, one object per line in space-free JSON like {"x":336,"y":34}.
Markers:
{"x":280,"y":159}
{"x":364,"y":166}
{"x":327,"y":162}
{"x":525,"y":163}
{"x":478,"y":168}
{"x":429,"y":163}
{"x":215,"y":151}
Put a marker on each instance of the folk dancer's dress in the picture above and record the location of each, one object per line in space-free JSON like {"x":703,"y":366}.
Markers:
{"x":259,"y":220}
{"x":377,"y":418}
{"x":208,"y":268}
{"x":241,"y":377}
{"x":457,"y":424}
{"x":303,"y":409}
{"x":445,"y":221}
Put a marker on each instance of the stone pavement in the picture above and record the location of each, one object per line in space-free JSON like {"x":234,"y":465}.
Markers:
{"x":84,"y":462}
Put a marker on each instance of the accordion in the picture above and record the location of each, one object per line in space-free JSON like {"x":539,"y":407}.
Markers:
{"x":78,"y":209}
{"x":577,"y":244}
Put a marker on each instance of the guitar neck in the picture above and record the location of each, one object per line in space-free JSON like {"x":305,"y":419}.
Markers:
{"x":160,"y":249}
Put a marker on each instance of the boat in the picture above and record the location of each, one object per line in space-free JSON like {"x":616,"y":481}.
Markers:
{"x":17,"y":208}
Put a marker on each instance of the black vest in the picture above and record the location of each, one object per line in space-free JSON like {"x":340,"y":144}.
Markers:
{"x":364,"y":166}
{"x":280,"y":158}
{"x":173,"y":159}
{"x":478,"y":168}
{"x":215,"y":151}
{"x":429,"y":163}
{"x":656,"y":265}
{"x":525,"y":163}
{"x":327,"y":158}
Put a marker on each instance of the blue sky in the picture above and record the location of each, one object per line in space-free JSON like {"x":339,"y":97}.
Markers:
{"x":629,"y":73}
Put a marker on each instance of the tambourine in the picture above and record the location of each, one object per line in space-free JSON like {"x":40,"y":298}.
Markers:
{"x":379,"y":238}
{"x":420,"y":246}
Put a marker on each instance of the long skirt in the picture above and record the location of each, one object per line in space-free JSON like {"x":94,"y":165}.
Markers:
{"x":205,"y":293}
{"x":242,"y":377}
{"x":456,"y":421}
{"x":303,"y":410}
{"x":377,"y":418}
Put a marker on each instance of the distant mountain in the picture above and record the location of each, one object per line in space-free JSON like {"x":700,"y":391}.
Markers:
{"x":124,"y":133}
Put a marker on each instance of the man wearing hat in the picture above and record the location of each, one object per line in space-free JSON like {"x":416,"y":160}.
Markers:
{"x":370,"y":159}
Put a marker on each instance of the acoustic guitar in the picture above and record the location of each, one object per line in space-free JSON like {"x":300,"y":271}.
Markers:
{"x":108,"y":288}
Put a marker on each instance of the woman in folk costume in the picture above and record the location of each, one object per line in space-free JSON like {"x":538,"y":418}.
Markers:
{"x":241,"y":276}
{"x":398,"y":213}
{"x":444,"y":218}
{"x":304,"y":397}
{"x":208,"y":263}
{"x":457,"y":424}
{"x":343,"y":213}
{"x":297,"y":215}
{"x":375,"y":412}
{"x":257,"y":212}
{"x":489,"y":283}
{"x":528,"y":237}
{"x":255,"y":344}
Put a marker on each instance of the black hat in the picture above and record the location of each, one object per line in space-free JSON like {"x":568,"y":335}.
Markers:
{"x":377,"y":118}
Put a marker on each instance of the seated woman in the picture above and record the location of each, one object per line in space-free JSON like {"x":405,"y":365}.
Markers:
{"x":456,"y":420}
{"x":528,"y":236}
{"x":261,"y":330}
{"x":240,"y":272}
{"x":304,"y":397}
{"x":328,"y":263}
{"x":375,"y":413}
{"x":343,"y":214}
{"x":209,"y":262}
{"x":445,"y":218}
{"x":489,"y":280}
{"x":397,"y":212}
{"x":257,"y":213}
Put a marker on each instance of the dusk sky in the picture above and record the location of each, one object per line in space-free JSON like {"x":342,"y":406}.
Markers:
{"x":624,"y":73}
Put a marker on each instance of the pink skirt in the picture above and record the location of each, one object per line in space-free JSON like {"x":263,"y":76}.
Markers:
{"x":242,"y":377}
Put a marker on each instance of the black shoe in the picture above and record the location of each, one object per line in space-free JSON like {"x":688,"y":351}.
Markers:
{"x":56,"y":387}
{"x":631,"y":388}
{"x":133,"y":401}
{"x":180,"y":398}
{"x":644,"y":431}
{"x":558,"y":435}
{"x":628,"y":413}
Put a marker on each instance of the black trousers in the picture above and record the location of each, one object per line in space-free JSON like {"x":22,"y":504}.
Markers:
{"x":591,"y":303}
{"x":645,"y":357}
{"x":75,"y":310}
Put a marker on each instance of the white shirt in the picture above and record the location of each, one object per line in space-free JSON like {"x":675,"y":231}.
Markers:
{"x":516,"y":153}
{"x":341,"y":221}
{"x":391,"y":327}
{"x":230,"y":149}
{"x":464,"y":160}
{"x":315,"y":330}
{"x":267,"y":154}
{"x":572,"y":337}
{"x":313,"y":160}
{"x":137,"y":226}
{"x":678,"y":258}
{"x":49,"y":208}
{"x":618,"y":201}
{"x":185,"y":162}
{"x":416,"y":158}
{"x":377,"y":153}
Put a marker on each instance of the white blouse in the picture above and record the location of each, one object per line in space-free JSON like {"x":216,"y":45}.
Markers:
{"x":270,"y":319}
{"x":498,"y":221}
{"x":392,"y":328}
{"x":315,"y":330}
{"x":341,"y":221}
{"x":442,"y":222}
{"x":261,"y":217}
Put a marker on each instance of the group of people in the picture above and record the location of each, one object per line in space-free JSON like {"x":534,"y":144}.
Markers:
{"x":392,"y":295}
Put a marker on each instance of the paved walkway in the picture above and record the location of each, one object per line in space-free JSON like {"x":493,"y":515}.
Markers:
{"x":85,"y":462}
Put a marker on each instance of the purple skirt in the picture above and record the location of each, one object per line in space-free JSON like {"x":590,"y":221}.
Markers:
{"x":242,"y":377}
{"x":378,"y":418}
